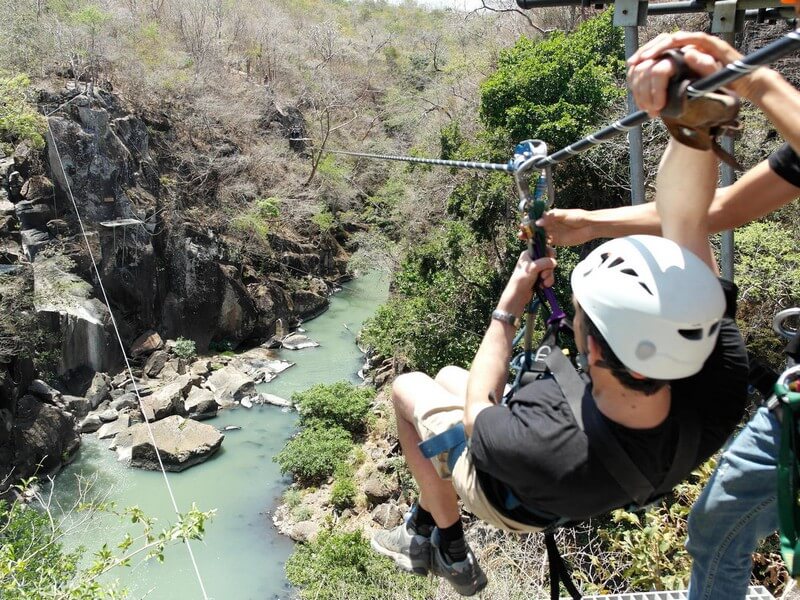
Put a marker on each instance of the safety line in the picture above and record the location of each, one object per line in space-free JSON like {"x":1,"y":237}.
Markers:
{"x":122,"y":347}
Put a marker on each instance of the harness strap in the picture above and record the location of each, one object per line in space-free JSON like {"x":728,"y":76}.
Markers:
{"x":688,"y":442}
{"x":616,"y":460}
{"x":572,"y":385}
{"x":558,"y":570}
{"x":453,"y":441}
{"x":789,"y":473}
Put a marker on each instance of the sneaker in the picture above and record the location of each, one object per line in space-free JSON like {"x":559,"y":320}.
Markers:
{"x":466,"y":576}
{"x":409,"y":550}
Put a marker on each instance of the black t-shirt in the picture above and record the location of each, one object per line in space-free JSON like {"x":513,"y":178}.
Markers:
{"x":534,"y":448}
{"x":785,"y":162}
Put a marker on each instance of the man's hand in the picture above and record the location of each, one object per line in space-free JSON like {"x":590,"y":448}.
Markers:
{"x":567,"y":227}
{"x":648,"y":75}
{"x":519,"y":289}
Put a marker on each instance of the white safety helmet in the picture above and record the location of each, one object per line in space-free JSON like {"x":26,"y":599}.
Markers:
{"x":657,"y":305}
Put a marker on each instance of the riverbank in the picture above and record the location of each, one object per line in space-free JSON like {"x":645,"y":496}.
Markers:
{"x":242,"y":556}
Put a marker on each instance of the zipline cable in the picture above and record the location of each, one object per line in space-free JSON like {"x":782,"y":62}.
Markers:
{"x":121,"y":344}
{"x":730,"y":72}
{"x":461,"y":164}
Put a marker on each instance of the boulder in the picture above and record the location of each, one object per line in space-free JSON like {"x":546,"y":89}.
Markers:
{"x":43,"y":435}
{"x":38,"y":189}
{"x":304,"y":531}
{"x":200,"y":404}
{"x":98,"y":390}
{"x":33,"y":216}
{"x":274,"y":400}
{"x":108,"y":416}
{"x":155,"y":364}
{"x":91,"y":423}
{"x":126,"y":400}
{"x":33,"y":240}
{"x":77,"y":405}
{"x":308,"y":304}
{"x":58,"y":228}
{"x":43,"y":391}
{"x":24,"y":156}
{"x":166,"y":400}
{"x":114,"y":428}
{"x":200,"y":368}
{"x":229,"y":385}
{"x":6,"y":208}
{"x":147,"y":343}
{"x":295,"y":341}
{"x":387,"y":515}
{"x":182,"y":443}
{"x":378,"y":489}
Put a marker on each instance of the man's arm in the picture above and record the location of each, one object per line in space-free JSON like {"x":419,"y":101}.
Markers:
{"x":756,"y":194}
{"x":705,"y":54}
{"x":684,"y":189}
{"x":489,"y":371}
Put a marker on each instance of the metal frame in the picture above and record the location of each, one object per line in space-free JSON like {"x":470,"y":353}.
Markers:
{"x":728,"y":17}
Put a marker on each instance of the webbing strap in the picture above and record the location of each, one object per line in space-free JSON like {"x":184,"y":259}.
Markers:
{"x":616,"y":460}
{"x":789,"y":478}
{"x":453,"y":441}
{"x":558,"y":570}
{"x":572,"y":385}
{"x":686,"y":453}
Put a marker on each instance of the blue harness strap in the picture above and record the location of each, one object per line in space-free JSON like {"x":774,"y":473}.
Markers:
{"x":453,"y":441}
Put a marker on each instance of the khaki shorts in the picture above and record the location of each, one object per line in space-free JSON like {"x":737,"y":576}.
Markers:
{"x":432,"y":417}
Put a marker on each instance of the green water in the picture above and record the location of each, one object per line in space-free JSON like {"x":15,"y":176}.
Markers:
{"x":241,"y":556}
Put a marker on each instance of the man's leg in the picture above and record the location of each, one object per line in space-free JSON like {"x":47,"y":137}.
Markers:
{"x":436,"y":495}
{"x":737,"y":508}
{"x":449,"y":555}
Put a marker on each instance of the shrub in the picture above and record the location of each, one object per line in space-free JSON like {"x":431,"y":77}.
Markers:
{"x":184,"y":348}
{"x":344,"y":490}
{"x":18,"y":120}
{"x":313,"y":454}
{"x":339,"y":404}
{"x":339,"y":566}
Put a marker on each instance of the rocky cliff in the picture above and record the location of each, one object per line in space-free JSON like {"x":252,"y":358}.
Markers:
{"x":164,"y":268}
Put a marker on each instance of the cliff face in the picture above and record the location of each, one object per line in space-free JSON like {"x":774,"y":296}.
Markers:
{"x":163,"y":267}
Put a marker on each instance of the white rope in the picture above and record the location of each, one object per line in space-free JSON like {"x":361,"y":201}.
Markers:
{"x":122,"y":346}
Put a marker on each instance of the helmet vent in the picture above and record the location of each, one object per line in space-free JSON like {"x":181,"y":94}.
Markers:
{"x":691,"y":334}
{"x":713,"y":329}
{"x":629,"y":272}
{"x":617,"y":261}
{"x":646,"y":289}
{"x":604,"y":257}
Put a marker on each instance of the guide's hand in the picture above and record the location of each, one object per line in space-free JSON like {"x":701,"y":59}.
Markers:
{"x":649,"y":79}
{"x":566,"y":227}
{"x":519,"y":289}
{"x":703,"y":53}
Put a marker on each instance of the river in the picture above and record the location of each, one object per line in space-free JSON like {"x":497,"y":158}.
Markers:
{"x":241,"y":556}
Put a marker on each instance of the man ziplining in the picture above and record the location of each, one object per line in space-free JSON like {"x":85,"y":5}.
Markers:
{"x":738,"y":506}
{"x":667,"y":373}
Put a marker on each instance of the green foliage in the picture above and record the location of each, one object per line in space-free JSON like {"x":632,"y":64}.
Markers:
{"x":34,"y":563}
{"x":556,"y":88}
{"x":313,"y":454}
{"x":292,"y":497}
{"x":338,"y":566}
{"x":324,"y":220}
{"x":339,"y":404}
{"x":645,"y":551}
{"x":184,"y":348}
{"x":343,"y":490}
{"x":767,"y":270}
{"x":92,"y":17}
{"x":18,"y":119}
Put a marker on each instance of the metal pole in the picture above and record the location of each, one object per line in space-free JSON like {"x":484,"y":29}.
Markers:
{"x":727,"y":18}
{"x":635,"y":134}
{"x":728,"y":178}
